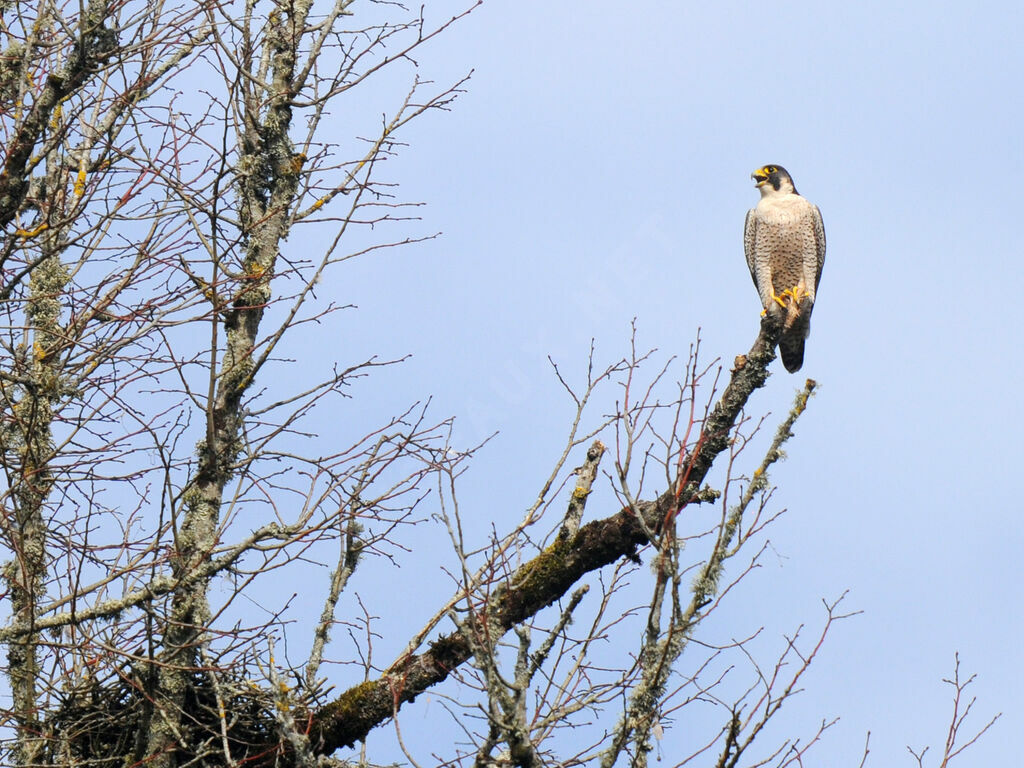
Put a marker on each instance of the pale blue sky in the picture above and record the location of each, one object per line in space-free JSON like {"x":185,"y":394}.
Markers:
{"x":598,"y":170}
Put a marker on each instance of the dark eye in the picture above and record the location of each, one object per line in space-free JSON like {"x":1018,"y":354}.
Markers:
{"x":771,"y":169}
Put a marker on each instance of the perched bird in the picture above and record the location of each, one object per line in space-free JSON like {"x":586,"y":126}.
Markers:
{"x":784,"y":240}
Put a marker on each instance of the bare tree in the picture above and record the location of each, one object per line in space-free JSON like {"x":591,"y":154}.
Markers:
{"x":159,"y":163}
{"x":956,"y":741}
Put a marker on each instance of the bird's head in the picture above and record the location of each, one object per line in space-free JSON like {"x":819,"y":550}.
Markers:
{"x":773,"y":178}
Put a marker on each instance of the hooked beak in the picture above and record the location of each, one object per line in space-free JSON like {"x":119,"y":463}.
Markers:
{"x":760,"y":177}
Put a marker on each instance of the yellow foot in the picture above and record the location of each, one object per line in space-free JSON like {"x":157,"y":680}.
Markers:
{"x":792,"y":294}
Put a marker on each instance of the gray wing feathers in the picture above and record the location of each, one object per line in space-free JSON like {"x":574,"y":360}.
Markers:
{"x":819,"y":242}
{"x":759,"y":272}
{"x":749,"y":237}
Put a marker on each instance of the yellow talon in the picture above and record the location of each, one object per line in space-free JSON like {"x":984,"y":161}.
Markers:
{"x":795,"y":294}
{"x":798,"y":294}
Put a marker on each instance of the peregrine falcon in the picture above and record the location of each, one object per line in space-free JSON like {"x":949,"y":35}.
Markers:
{"x":784,"y":240}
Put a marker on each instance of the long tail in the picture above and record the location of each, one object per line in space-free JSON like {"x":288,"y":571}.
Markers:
{"x":795,"y":329}
{"x":791,"y":349}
